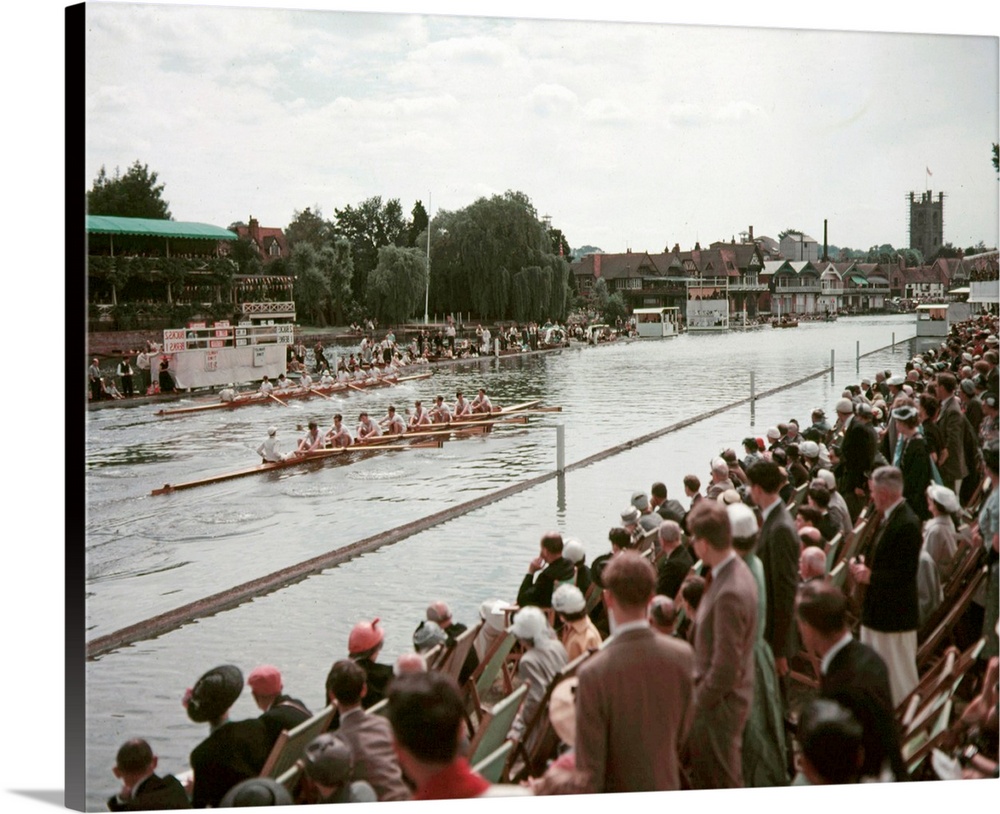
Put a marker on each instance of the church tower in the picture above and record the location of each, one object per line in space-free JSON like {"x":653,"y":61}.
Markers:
{"x":926,"y":223}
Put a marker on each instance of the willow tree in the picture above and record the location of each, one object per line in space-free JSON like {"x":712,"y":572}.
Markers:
{"x":396,"y":285}
{"x":479,"y":251}
{"x":311,"y":287}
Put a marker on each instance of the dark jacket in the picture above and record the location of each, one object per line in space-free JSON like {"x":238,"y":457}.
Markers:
{"x":234,"y":752}
{"x":284,"y":714}
{"x":672,"y":570}
{"x":536,"y":589}
{"x":858,"y":679}
{"x":891,"y":604}
{"x":154,"y":794}
{"x":916,"y":467}
{"x":778,"y":551}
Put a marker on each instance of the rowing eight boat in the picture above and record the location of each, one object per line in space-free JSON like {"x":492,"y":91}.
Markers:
{"x":283,"y":395}
{"x":427,"y":436}
{"x":295,"y":460}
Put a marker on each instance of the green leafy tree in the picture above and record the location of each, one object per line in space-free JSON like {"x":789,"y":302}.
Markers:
{"x":309,"y":227}
{"x":369,"y":226}
{"x":396,"y":284}
{"x":418,"y":226}
{"x":583,"y":251}
{"x":132,"y":195}
{"x":243,"y":252}
{"x":311,"y":288}
{"x":786,"y":232}
{"x":477,"y":252}
{"x":615,"y":309}
{"x":338,"y":267}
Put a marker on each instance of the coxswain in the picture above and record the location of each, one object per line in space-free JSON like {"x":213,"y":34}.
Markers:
{"x":440,"y":412}
{"x":227,"y":394}
{"x":268,"y":450}
{"x":312,"y":440}
{"x":392,"y":424}
{"x":462,"y":407}
{"x":420,"y":415}
{"x":265,"y":386}
{"x":338,"y":435}
{"x":481,"y":403}
{"x":367,"y":429}
{"x":326,"y":379}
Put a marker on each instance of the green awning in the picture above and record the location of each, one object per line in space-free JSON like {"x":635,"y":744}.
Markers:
{"x":151,"y":227}
{"x":857,"y":278}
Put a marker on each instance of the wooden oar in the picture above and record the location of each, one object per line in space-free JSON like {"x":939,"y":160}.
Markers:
{"x":322,"y":395}
{"x":272,"y":396}
{"x":355,"y":387}
{"x":293,"y":460}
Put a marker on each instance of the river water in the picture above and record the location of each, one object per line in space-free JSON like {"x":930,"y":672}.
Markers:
{"x":149,"y":554}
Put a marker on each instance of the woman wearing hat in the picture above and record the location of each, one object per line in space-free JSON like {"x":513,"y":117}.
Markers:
{"x":235,"y":750}
{"x":987,"y":534}
{"x":912,"y":457}
{"x":940,"y":535}
{"x":363,"y":646}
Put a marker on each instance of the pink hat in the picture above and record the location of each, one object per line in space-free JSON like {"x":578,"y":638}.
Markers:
{"x":265,"y":680}
{"x":364,"y":636}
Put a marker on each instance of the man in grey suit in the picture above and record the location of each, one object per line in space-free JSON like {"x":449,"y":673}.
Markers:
{"x":634,"y":698}
{"x":369,"y":736}
{"x":951,"y":421}
{"x":725,"y":630}
{"x":778,"y":550}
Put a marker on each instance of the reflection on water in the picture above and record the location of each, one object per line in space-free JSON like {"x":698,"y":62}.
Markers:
{"x":147,"y":555}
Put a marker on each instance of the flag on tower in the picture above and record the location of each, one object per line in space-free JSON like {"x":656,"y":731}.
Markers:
{"x":928,"y":170}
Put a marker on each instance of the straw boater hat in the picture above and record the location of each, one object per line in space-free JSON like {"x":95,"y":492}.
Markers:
{"x":562,"y":709}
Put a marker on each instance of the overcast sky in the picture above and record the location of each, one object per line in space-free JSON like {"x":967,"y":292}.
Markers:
{"x":629,"y":135}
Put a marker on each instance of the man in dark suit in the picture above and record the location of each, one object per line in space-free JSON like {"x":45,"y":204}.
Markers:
{"x":545,"y":573}
{"x":634,"y":697}
{"x":778,"y":551}
{"x":675,"y":563}
{"x":142,"y":789}
{"x":890,"y":612}
{"x":852,"y":674}
{"x":725,"y":631}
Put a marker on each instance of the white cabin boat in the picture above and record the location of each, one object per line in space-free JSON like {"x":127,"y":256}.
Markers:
{"x":657,"y":323}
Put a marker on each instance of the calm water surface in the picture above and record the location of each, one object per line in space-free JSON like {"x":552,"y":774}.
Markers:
{"x":149,"y":554}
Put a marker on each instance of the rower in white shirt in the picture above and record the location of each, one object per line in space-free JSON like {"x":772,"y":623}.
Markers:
{"x":481,"y":403}
{"x":440,"y":412}
{"x":338,"y":435}
{"x":266,"y":387}
{"x":393,"y":424}
{"x":420,"y":415}
{"x":367,"y":429}
{"x":462,"y":406}
{"x":268,"y":450}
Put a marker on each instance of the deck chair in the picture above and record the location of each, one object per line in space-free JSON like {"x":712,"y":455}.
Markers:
{"x":490,"y":668}
{"x":832,"y":548}
{"x":381,"y":708}
{"x":942,"y":632}
{"x":290,"y":744}
{"x":592,"y":597}
{"x":491,"y":767}
{"x":838,"y":576}
{"x":453,"y":658}
{"x":495,"y":724}
{"x":290,"y":778}
{"x":923,"y":740}
{"x":539,"y":731}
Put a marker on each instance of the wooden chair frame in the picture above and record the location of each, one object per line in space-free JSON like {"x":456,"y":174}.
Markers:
{"x":942,"y":632}
{"x":291,"y":744}
{"x":495,"y":724}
